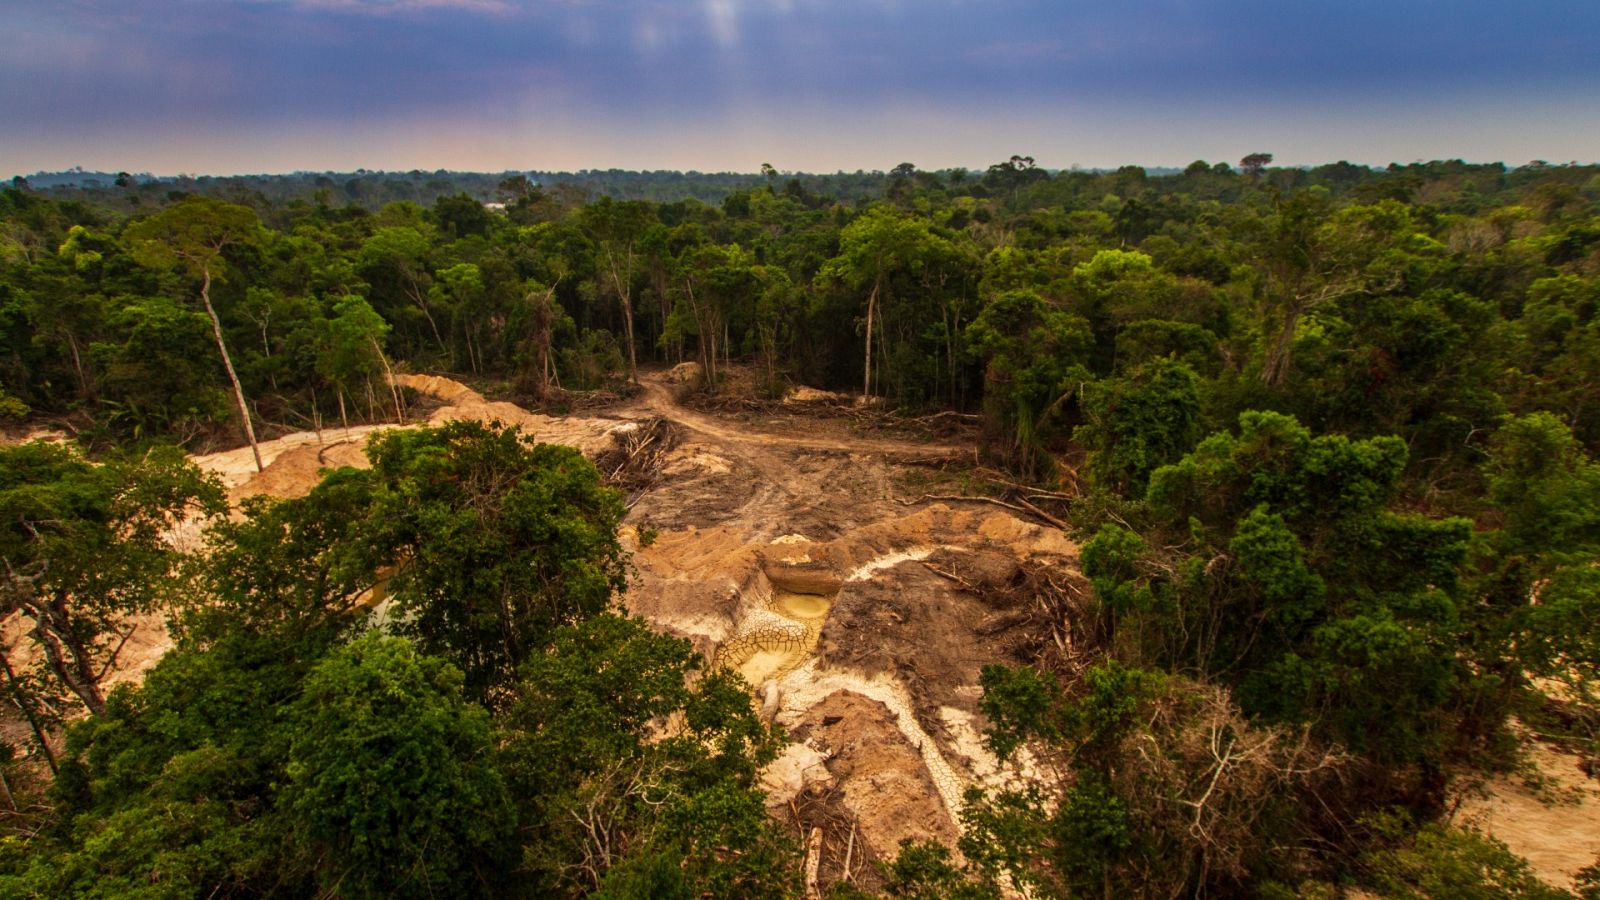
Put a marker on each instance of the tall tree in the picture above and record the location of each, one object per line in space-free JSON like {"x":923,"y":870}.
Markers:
{"x":872,"y":250}
{"x":619,"y":228}
{"x":494,"y":541}
{"x":191,"y":236}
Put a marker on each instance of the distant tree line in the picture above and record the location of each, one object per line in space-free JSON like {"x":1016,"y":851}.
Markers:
{"x":1331,"y":430}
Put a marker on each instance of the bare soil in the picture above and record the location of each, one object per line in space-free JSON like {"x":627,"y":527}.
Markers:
{"x":787,"y":547}
{"x":1549,"y":814}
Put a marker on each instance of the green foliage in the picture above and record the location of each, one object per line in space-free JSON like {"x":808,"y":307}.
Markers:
{"x":84,"y":546}
{"x":582,"y":751}
{"x":1033,"y":355}
{"x":391,"y":785}
{"x":1139,"y":422}
{"x":191,"y":235}
{"x":1138,"y":783}
{"x":1297,"y":584}
{"x":351,"y":350}
{"x":923,"y":871}
{"x":1092,"y":830}
{"x":494,"y":542}
{"x":266,"y":756}
{"x":1545,"y":487}
{"x":11,"y":407}
{"x":1437,"y":861}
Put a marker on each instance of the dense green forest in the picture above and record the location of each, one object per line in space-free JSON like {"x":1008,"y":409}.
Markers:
{"x":1331,"y":430}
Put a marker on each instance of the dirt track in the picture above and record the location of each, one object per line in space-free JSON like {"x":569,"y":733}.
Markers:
{"x":657,"y":400}
{"x":793,"y":557}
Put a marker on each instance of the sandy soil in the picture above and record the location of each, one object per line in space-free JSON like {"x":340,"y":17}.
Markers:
{"x":790,"y":556}
{"x":1554,"y":822}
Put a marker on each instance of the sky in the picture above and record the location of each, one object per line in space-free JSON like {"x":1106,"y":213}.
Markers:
{"x":250,"y":86}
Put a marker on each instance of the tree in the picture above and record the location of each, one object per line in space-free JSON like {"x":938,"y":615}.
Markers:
{"x":1313,"y":255}
{"x":192,"y":236}
{"x":398,"y":255}
{"x":1253,"y":163}
{"x":351,"y":351}
{"x":1140,"y":784}
{"x":1437,"y":860}
{"x":1013,"y":174}
{"x":1540,"y":587}
{"x":1297,"y":584}
{"x":1034,"y":358}
{"x":494,"y":541}
{"x":610,"y":802}
{"x":1139,"y":422}
{"x":872,"y":249}
{"x":1116,"y":287}
{"x":617,"y":229}
{"x":393,"y":790}
{"x":84,"y":547}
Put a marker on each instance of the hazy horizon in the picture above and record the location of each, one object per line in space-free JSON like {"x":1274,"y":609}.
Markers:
{"x":278,"y":86}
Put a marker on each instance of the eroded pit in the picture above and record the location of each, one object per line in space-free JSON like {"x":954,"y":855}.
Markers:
{"x":781,"y":629}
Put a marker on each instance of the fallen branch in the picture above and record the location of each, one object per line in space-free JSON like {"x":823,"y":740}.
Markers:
{"x":813,"y":864}
{"x":1022,"y":506}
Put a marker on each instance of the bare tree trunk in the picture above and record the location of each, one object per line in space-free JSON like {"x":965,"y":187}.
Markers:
{"x":702,"y":324}
{"x":872,"y":307}
{"x":11,"y":799}
{"x":388,"y":376}
{"x":227,"y":361}
{"x":343,"y":420}
{"x":84,"y":389}
{"x":64,"y":650}
{"x":813,"y":864}
{"x":416,"y":297}
{"x":627,"y":309}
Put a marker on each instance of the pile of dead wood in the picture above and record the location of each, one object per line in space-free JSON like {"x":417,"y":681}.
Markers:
{"x":638,"y":451}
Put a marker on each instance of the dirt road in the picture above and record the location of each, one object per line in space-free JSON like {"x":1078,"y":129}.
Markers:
{"x":657,"y":400}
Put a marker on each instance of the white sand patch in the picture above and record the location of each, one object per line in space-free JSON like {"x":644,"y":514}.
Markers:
{"x":888,"y":561}
{"x":808,"y":685}
{"x":785,"y":777}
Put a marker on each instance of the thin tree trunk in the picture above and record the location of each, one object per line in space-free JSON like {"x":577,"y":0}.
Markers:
{"x":84,"y":390}
{"x":227,"y":361}
{"x":702,"y":324}
{"x":1276,"y":367}
{"x":64,"y":652}
{"x":11,"y":799}
{"x":19,"y":697}
{"x":627,"y":309}
{"x":872,"y":307}
{"x":388,"y":375}
{"x":343,"y":420}
{"x":422,"y":304}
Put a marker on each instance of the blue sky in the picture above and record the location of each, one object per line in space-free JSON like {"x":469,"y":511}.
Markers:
{"x":221,"y":86}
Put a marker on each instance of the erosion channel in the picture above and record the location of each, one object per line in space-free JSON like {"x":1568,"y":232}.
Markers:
{"x":807,"y":557}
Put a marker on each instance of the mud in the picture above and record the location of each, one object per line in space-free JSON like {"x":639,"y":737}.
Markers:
{"x":861,"y":622}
